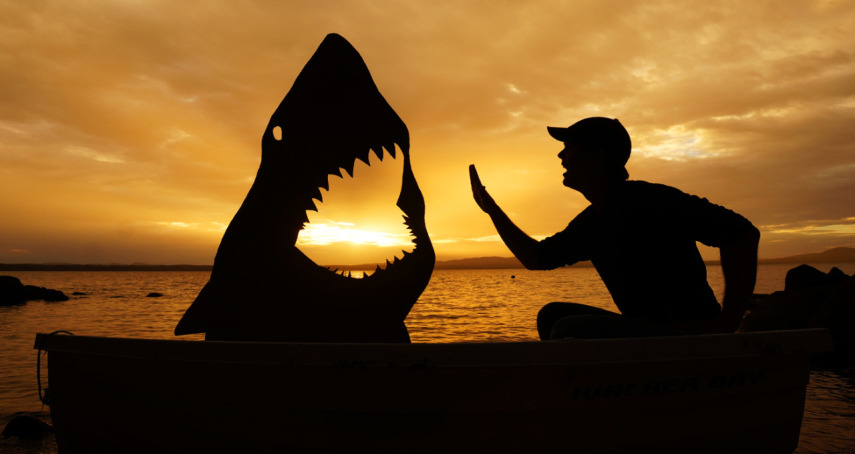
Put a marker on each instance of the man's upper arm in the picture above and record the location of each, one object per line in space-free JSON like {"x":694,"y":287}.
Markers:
{"x":566,"y":247}
{"x":711,"y":224}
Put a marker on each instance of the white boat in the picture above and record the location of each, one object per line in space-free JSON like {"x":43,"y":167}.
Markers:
{"x":724,"y":393}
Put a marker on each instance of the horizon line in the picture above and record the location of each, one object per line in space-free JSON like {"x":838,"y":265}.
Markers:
{"x":510,"y":262}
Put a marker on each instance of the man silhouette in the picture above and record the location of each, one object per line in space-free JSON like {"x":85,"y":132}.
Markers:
{"x":641,"y":238}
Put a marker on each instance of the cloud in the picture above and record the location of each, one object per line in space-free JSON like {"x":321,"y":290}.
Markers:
{"x":121,"y":113}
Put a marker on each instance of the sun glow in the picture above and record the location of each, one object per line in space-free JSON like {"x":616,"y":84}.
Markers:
{"x":344,"y":232}
{"x":358,"y":221}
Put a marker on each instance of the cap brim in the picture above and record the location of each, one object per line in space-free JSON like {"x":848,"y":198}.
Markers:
{"x":557,"y":133}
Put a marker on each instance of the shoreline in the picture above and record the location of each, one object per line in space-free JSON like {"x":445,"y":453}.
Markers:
{"x":486,"y":263}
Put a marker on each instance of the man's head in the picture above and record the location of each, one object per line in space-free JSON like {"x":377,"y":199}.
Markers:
{"x":601,"y":142}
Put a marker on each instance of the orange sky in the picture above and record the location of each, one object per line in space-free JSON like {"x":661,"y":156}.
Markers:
{"x":130,"y":130}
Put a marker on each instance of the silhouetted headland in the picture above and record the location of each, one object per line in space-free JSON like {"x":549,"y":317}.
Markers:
{"x":99,"y":267}
{"x":835,"y":255}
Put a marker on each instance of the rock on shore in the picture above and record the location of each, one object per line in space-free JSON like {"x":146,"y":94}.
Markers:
{"x":810,"y":299}
{"x":12,"y":291}
{"x":27,"y":426}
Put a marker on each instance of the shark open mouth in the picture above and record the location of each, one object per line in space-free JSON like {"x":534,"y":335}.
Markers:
{"x":339,"y":235}
{"x":262,"y":286}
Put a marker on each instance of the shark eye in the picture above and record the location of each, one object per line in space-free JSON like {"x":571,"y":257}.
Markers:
{"x":277,"y":133}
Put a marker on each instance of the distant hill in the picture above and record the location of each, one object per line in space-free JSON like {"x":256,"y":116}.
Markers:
{"x":473,"y":263}
{"x":836,"y":255}
{"x":458,"y":264}
{"x":483,"y":263}
{"x":97,"y":267}
{"x":487,"y":263}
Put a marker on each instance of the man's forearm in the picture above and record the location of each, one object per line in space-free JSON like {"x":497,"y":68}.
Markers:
{"x":521,"y":245}
{"x":739,"y":267}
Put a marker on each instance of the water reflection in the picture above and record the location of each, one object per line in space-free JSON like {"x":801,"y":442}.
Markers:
{"x":829,"y":419}
{"x":458,"y":305}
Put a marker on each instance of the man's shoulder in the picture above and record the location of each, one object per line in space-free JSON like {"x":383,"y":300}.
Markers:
{"x":660,"y":199}
{"x":643,"y":188}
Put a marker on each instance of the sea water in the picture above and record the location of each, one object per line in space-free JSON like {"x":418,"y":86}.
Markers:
{"x":457,"y":306}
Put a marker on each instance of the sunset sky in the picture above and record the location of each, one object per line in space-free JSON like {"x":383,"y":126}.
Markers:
{"x":130,"y":130}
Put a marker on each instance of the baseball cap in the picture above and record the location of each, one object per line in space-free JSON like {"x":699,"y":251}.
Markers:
{"x":597,"y":133}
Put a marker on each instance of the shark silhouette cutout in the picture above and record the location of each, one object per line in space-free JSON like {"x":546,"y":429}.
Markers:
{"x":262,"y":287}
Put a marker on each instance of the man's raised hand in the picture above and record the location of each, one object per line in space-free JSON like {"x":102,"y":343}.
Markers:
{"x":479,"y":192}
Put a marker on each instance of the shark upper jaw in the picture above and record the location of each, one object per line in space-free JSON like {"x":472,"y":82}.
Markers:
{"x":315,"y":175}
{"x":333,"y":115}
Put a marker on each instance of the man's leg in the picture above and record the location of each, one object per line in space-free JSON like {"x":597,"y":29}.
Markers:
{"x":554,"y":312}
{"x":563,"y":320}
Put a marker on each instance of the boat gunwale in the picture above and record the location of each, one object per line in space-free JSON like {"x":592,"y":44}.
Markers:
{"x":458,"y":354}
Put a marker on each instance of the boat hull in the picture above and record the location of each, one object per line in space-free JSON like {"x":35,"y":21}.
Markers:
{"x":718,"y":393}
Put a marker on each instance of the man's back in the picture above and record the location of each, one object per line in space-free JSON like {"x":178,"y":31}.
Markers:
{"x":642,"y":241}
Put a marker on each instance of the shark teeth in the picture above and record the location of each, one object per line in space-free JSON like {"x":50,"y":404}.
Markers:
{"x":364,"y":156}
{"x":317,"y":195}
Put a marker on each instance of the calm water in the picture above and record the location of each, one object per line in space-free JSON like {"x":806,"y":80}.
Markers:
{"x":458,"y":305}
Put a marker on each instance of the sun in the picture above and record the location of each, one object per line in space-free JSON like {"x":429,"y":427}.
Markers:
{"x":324,"y":234}
{"x":358,"y":221}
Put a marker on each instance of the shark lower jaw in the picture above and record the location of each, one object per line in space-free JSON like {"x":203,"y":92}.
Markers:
{"x":410,"y":202}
